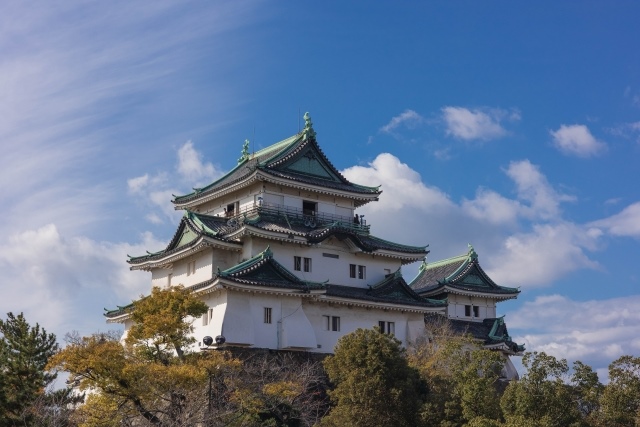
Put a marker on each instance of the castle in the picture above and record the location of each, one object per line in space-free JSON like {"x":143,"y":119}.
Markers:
{"x":277,"y":250}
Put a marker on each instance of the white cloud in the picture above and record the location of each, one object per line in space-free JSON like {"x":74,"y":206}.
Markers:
{"x":80,"y":80}
{"x":156,"y":191}
{"x":491,"y":207}
{"x":136,"y":185}
{"x":555,"y":250}
{"x":577,"y":140}
{"x":533,"y":187}
{"x":403,"y":185}
{"x":627,"y":130}
{"x":624,"y":223}
{"x":408,"y":118}
{"x":64,"y":282}
{"x":595,"y":332}
{"x":536,"y":198}
{"x":413,"y":212}
{"x":191,"y":167}
{"x":476,"y":124}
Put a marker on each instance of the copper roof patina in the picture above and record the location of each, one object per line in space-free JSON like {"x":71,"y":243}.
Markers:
{"x":191,"y":229}
{"x":393,"y":288}
{"x":315,"y":229}
{"x":264,"y":271}
{"x":298,"y":158}
{"x":462,"y":273}
{"x":490,"y":331}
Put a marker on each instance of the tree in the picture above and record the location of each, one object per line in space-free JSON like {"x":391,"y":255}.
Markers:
{"x":24,"y":352}
{"x":462,"y":378}
{"x":374,"y":385}
{"x":620,"y":400}
{"x":161,"y":324}
{"x":587,"y":392}
{"x":542,"y":397}
{"x":153,"y":379}
{"x":152,"y":375}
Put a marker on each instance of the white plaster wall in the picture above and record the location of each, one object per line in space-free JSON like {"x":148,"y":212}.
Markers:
{"x":293,"y":202}
{"x":244,"y":196}
{"x":270,"y":199}
{"x":456,"y":310}
{"x":294,"y":327}
{"x":407,"y":325}
{"x":296,"y":323}
{"x":336,"y":271}
{"x":327,"y":208}
{"x":203,"y":271}
{"x":160,"y":277}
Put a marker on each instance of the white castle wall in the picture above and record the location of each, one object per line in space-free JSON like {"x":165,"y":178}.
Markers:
{"x":456,"y":308}
{"x":296,"y":323}
{"x":323,"y":268}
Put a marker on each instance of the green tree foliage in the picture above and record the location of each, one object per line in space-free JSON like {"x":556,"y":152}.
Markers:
{"x":374,"y":385}
{"x":160,"y":322}
{"x":620,"y":400}
{"x":463,"y":380}
{"x":153,"y":379}
{"x":586,"y":393}
{"x":542,"y":397}
{"x":24,"y":352}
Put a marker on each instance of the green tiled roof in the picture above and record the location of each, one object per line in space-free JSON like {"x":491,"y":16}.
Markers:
{"x":462,"y":272}
{"x":297,"y":158}
{"x":263,"y":270}
{"x":192,"y":226}
{"x":490,"y":331}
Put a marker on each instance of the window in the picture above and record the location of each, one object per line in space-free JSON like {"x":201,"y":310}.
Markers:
{"x":299,"y":263}
{"x":309,"y":208}
{"x":387,"y":271}
{"x":191,"y":268}
{"x":359,"y":271}
{"x":326,"y":255}
{"x":229,"y":210}
{"x":267,"y":315}
{"x":331,"y":323}
{"x":169,"y":277}
{"x":362,"y":272}
{"x":206,"y":318}
{"x":387,"y":327}
{"x":471,"y":310}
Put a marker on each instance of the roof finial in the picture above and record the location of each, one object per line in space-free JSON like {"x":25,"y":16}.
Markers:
{"x":245,"y":152}
{"x":472,"y":253}
{"x":308,"y":131}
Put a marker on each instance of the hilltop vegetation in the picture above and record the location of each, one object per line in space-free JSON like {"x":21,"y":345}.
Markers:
{"x":371,"y":380}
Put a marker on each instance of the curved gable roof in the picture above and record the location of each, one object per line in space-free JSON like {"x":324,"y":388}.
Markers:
{"x":460,"y":273}
{"x":298,"y":158}
{"x":191,"y":230}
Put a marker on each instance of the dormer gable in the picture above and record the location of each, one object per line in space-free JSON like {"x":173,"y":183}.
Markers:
{"x":461,"y":275}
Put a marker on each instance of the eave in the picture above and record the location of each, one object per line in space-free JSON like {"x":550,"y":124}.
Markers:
{"x":259,"y":175}
{"x":198,"y":245}
{"x":299,"y":238}
{"x":379,"y":305}
{"x":503,"y":347}
{"x":360,"y":199}
{"x":457,"y":291}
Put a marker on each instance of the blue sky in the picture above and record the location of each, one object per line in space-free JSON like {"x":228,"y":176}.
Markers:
{"x":512,"y":127}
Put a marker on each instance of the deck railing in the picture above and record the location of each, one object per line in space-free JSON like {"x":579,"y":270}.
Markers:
{"x":299,"y":216}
